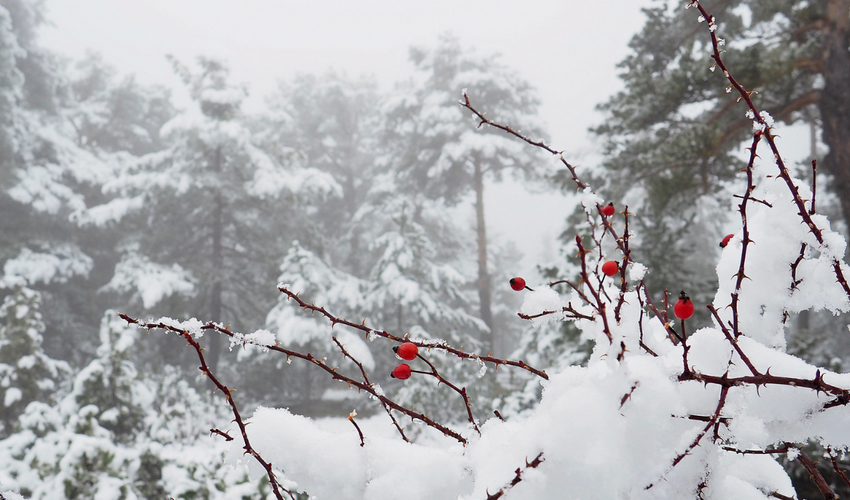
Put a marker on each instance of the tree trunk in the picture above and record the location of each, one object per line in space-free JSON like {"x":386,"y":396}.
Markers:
{"x":834,"y":104}
{"x":483,"y":272}
{"x":215,"y":290}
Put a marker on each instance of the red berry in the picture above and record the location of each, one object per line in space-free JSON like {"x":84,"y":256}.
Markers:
{"x":401,"y":372}
{"x":684,"y":308}
{"x":726,"y":240}
{"x":517,"y":283}
{"x":608,"y":210}
{"x":407,"y":351}
{"x":610,"y":268}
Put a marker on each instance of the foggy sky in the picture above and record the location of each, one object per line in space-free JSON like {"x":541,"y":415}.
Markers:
{"x":566,"y":49}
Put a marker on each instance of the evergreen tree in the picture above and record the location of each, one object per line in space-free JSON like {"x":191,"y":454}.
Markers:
{"x":207,"y":217}
{"x":331,"y":122}
{"x":27,"y":374}
{"x":436,"y":154}
{"x":673,"y":135}
{"x":121,"y":434}
{"x":61,"y":138}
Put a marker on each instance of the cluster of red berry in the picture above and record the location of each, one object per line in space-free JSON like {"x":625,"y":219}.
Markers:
{"x":609,"y":268}
{"x":683,"y":309}
{"x":407,"y":351}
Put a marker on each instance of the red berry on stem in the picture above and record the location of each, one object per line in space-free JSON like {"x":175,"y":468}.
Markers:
{"x":726,"y":240}
{"x":401,"y":372}
{"x":517,"y":283}
{"x":610,"y":268}
{"x":608,"y":210}
{"x":684,"y":308}
{"x":407,"y":351}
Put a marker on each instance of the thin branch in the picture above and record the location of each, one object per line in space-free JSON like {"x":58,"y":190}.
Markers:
{"x":626,"y":259}
{"x":517,"y":477}
{"x":836,"y":468}
{"x":814,"y":474}
{"x":732,"y":340}
{"x":205,"y":369}
{"x":444,"y":346}
{"x":742,"y":207}
{"x":225,"y":435}
{"x":540,"y":144}
{"x":359,"y":432}
{"x":436,"y":374}
{"x":369,"y":388}
{"x":712,"y":422}
{"x":366,"y":379}
{"x":814,"y":186}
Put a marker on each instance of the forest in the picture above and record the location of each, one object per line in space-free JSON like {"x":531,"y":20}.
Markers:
{"x":306,"y":302}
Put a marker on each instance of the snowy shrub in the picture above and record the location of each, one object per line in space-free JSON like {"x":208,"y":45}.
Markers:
{"x":119,"y":435}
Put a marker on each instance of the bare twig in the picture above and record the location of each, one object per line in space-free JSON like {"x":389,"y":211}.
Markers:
{"x":836,"y":468}
{"x":712,"y":422}
{"x":436,"y":374}
{"x":540,"y":144}
{"x":814,"y":186}
{"x":205,"y":369}
{"x":366,"y":379}
{"x":359,"y":432}
{"x":226,"y":436}
{"x":814,"y":473}
{"x":517,"y":477}
{"x":742,"y":207}
{"x":335,"y":375}
{"x":444,"y":346}
{"x":732,"y":340}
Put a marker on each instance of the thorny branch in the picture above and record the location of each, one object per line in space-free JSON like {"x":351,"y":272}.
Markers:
{"x":746,"y":239}
{"x":732,"y":340}
{"x":517,"y":477}
{"x":836,"y":468}
{"x":598,"y":303}
{"x":366,"y":379}
{"x":540,"y":144}
{"x":815,"y":474}
{"x":335,"y":375}
{"x":365,"y":329}
{"x":249,"y":450}
{"x":780,"y":163}
{"x":626,"y":260}
{"x":436,"y":374}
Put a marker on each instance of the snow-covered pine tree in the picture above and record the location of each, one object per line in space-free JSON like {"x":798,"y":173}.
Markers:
{"x":27,"y":374}
{"x":331,"y":123}
{"x":63,"y":136}
{"x":435,"y":153}
{"x":121,"y":434}
{"x":206,"y":217}
{"x":672,"y":137}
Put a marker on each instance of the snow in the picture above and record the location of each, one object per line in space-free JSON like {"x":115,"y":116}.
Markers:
{"x":56,"y":266}
{"x":150,"y":281}
{"x":543,"y":299}
{"x":193,"y":326}
{"x":13,"y":394}
{"x":637,"y":271}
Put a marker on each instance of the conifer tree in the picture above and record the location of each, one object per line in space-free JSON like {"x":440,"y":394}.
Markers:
{"x":437,"y":155}
{"x":672,"y":134}
{"x":27,"y":374}
{"x":206,"y":217}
